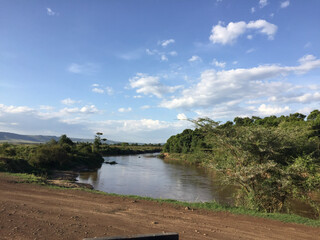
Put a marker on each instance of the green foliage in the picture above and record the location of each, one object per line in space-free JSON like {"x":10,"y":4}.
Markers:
{"x":271,"y":160}
{"x":50,"y":157}
{"x":97,"y":142}
{"x":63,"y":154}
{"x":120,"y":149}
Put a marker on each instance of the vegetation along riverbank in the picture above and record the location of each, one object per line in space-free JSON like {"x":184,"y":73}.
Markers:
{"x":270,"y":160}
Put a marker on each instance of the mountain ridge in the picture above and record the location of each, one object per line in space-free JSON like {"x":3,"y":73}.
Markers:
{"x":32,"y":139}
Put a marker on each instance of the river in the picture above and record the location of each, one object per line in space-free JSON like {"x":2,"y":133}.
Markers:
{"x":148,"y":175}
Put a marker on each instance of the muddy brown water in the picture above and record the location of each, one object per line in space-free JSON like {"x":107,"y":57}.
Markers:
{"x":147,"y":175}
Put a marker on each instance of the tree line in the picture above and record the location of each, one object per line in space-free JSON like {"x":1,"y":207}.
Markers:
{"x":63,"y":154}
{"x":270,"y":160}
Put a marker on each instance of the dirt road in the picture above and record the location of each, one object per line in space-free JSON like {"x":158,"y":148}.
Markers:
{"x":29,"y":211}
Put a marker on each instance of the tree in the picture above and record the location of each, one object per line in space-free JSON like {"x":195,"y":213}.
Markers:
{"x":269,"y":165}
{"x":97,"y":142}
{"x":313,"y":115}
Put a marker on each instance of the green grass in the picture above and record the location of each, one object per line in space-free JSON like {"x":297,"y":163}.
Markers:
{"x":211,"y":206}
{"x":28,"y":178}
{"x":214,"y":206}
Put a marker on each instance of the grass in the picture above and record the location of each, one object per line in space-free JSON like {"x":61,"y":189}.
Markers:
{"x":211,"y":206}
{"x":28,"y":178}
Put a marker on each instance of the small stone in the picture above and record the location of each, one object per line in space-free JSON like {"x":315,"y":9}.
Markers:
{"x":155,"y":222}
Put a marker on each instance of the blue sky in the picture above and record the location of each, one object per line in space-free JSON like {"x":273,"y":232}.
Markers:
{"x":135,"y":69}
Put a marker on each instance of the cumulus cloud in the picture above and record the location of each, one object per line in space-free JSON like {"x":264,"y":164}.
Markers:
{"x":161,"y":54}
{"x":285,"y":4}
{"x":69,"y":101}
{"x":98,"y":90}
{"x":76,"y":123}
{"x":109,"y":90}
{"x":139,"y":130}
{"x":14,"y":109}
{"x":253,"y":10}
{"x":88,"y":109}
{"x":150,"y":85}
{"x":297,"y":98}
{"x":26,"y":120}
{"x":195,"y":58}
{"x":164,"y":57}
{"x":101,"y":89}
{"x":267,"y":110}
{"x":263,"y":3}
{"x":181,"y":116}
{"x":228,"y":87}
{"x":145,"y":107}
{"x":50,"y":12}
{"x":123,"y":110}
{"x":173,"y":53}
{"x":165,"y":43}
{"x":218,"y":64}
{"x":230,"y":33}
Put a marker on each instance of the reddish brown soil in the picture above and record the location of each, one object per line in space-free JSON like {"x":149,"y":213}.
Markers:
{"x":30,"y":211}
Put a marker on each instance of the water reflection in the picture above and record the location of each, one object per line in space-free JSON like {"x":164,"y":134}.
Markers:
{"x":150,"y":176}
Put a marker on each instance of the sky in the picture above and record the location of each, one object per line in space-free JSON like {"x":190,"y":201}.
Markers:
{"x":135,"y":70}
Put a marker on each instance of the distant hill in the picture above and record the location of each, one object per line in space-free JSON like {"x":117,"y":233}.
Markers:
{"x":18,"y":138}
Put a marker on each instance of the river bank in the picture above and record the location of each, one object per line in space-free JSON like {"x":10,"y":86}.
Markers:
{"x":33,"y":211}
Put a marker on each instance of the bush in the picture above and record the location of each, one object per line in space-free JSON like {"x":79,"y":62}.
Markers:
{"x":50,"y":157}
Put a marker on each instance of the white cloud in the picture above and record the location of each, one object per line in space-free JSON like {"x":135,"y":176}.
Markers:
{"x":26,"y":120}
{"x":69,"y":101}
{"x":285,"y":4}
{"x":87,"y":68}
{"x":88,"y":109}
{"x":75,"y":123}
{"x":225,"y":87}
{"x":165,"y":43}
{"x":304,"y":98}
{"x":142,"y":129}
{"x":151,"y":52}
{"x":227,"y":35}
{"x":249,"y":37}
{"x":230,"y":33}
{"x":46,"y":108}
{"x":263,"y":3}
{"x":195,"y":58}
{"x":50,"y":12}
{"x":109,"y":91}
{"x":181,"y":116}
{"x":124,"y":110}
{"x":98,"y":90}
{"x":218,"y":64}
{"x":164,"y":58}
{"x":162,"y":55}
{"x":265,"y":27}
{"x":145,"y":107}
{"x":253,"y":10}
{"x":307,"y":58}
{"x":173,"y":53}
{"x":95,"y":85}
{"x":150,"y":85}
{"x":250,"y":50}
{"x":14,"y":109}
{"x":267,"y":110}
